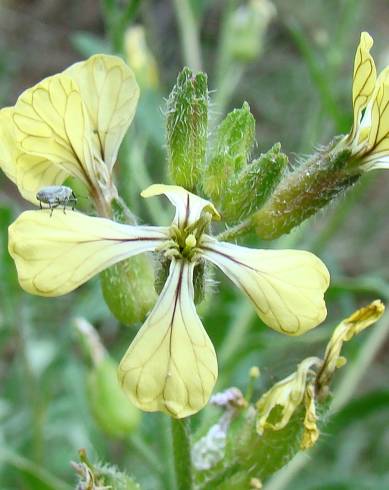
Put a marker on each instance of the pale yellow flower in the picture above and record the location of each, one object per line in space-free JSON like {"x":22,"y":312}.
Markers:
{"x":69,"y":124}
{"x":171,"y":364}
{"x":369,"y":135}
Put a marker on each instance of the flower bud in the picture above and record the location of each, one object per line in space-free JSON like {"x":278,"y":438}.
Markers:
{"x":128,"y":287}
{"x":187,"y":127}
{"x":113,"y":412}
{"x":255,"y":184}
{"x":234,"y":141}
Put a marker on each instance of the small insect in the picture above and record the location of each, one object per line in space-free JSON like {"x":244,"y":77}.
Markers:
{"x":56,"y":195}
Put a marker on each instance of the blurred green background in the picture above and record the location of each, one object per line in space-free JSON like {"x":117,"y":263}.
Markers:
{"x":298,"y":86}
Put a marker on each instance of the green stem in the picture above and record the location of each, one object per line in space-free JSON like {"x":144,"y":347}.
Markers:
{"x":189,"y":34}
{"x":181,"y":453}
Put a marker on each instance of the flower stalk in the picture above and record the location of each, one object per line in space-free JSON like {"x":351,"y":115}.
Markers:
{"x":181,"y":453}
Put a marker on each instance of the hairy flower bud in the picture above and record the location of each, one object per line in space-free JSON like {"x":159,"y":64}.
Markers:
{"x":187,"y":127}
{"x":255,"y":184}
{"x":234,"y":141}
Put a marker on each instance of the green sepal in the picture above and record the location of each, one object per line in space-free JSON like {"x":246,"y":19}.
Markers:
{"x":128,"y":287}
{"x":254,"y":185}
{"x":115,"y":415}
{"x":187,"y":128}
{"x":233,"y":143}
{"x":200,"y":273}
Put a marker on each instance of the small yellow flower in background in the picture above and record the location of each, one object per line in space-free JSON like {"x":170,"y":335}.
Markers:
{"x":69,"y":124}
{"x":171,"y":364}
{"x":140,"y":58}
{"x":369,"y":136}
{"x":311,"y":379}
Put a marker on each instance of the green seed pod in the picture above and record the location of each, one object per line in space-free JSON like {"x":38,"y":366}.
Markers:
{"x":113,"y":412}
{"x":128,"y":287}
{"x":254,"y":185}
{"x":234,"y":141}
{"x":187,"y":128}
{"x":303,"y":192}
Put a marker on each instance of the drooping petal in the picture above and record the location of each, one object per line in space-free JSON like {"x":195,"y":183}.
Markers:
{"x":54,"y":255}
{"x":29,"y":172}
{"x":285,"y":286}
{"x":188,"y":206}
{"x":110,"y":93}
{"x":171,"y":364}
{"x":345,"y":331}
{"x":51,"y":122}
{"x":364,"y":79}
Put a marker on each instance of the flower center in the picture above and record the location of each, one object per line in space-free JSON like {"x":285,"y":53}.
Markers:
{"x":184,"y":242}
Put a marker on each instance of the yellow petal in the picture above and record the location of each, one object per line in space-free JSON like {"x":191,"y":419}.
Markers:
{"x":345,"y":331}
{"x":311,"y":432}
{"x":171,"y":364}
{"x":377,"y":154}
{"x":110,"y":93}
{"x":188,"y":206}
{"x":54,"y":255}
{"x":7,"y":144}
{"x":51,"y":122}
{"x":29,"y":172}
{"x":285,"y":286}
{"x":364,"y":78}
{"x":34,"y":173}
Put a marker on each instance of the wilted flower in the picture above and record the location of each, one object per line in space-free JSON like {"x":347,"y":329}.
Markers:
{"x":171,"y":364}
{"x":288,"y":394}
{"x":345,"y":331}
{"x":310,"y":381}
{"x":69,"y":124}
{"x":369,"y":135}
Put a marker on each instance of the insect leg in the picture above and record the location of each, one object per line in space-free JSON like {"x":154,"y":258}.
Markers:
{"x":74,"y":201}
{"x":40,"y":204}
